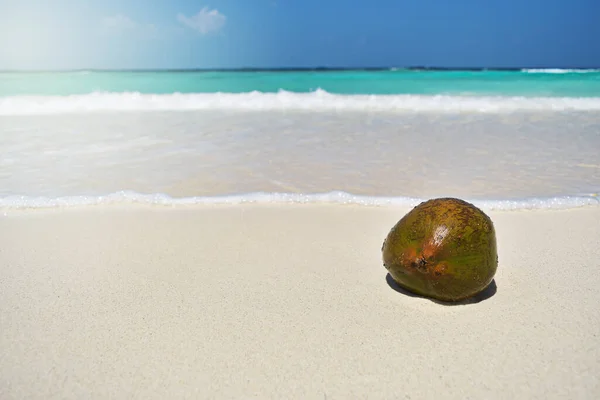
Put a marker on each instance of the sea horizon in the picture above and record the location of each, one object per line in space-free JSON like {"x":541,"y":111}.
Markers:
{"x":311,"y":68}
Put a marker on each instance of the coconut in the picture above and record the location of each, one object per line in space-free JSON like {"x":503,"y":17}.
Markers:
{"x":443,"y":249}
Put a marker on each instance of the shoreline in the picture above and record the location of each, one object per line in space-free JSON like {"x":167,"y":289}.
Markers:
{"x":277,"y":199}
{"x":292,"y":301}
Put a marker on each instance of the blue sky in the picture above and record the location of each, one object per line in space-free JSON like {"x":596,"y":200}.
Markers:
{"x":73,"y":34}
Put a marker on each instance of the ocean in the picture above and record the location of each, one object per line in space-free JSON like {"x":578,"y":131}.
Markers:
{"x":503,"y":139}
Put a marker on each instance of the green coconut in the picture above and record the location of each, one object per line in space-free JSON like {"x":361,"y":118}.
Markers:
{"x":443,"y":249}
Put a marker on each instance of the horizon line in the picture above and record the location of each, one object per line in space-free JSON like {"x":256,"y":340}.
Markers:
{"x":293,"y":69}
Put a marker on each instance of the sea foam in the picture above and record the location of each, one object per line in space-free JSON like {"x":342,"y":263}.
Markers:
{"x":336,"y":197}
{"x":318,"y":100}
{"x":558,"y":71}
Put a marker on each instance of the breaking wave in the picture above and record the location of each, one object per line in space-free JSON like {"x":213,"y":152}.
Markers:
{"x":318,"y":100}
{"x":128,"y":197}
{"x":559,"y":71}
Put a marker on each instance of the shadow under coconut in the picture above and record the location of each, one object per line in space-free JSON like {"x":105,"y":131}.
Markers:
{"x":481,"y":296}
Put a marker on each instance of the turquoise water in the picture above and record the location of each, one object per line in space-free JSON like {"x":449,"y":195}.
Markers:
{"x":504,"y":139}
{"x":555,"y":83}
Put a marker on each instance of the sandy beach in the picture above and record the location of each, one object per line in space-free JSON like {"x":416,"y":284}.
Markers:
{"x":286,"y":301}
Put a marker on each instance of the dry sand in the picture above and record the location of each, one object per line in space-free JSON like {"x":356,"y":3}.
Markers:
{"x":286,"y":302}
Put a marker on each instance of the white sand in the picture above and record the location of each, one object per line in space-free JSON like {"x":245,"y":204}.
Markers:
{"x":286,"y":302}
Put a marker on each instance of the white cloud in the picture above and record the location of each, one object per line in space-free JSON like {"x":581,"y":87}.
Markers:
{"x":118,"y":23}
{"x":206,"y":21}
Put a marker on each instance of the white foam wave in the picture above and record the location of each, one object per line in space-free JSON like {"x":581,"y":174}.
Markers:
{"x":559,"y":71}
{"x":127,"y":197}
{"x":318,"y":100}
